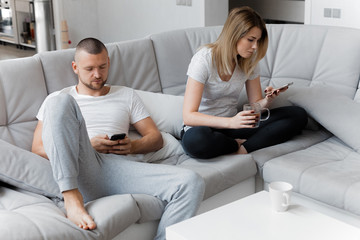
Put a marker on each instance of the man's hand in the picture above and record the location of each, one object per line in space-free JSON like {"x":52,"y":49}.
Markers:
{"x":103,"y":144}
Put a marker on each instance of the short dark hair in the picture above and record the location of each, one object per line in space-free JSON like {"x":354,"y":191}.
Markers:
{"x":90,"y":45}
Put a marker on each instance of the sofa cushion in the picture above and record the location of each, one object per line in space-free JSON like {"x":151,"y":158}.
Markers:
{"x":113,"y":214}
{"x":309,"y":55}
{"x":332,"y":110}
{"x":151,"y":208}
{"x":137,"y":71}
{"x":37,"y":217}
{"x":57,"y":69}
{"x":31,"y":216}
{"x":26,"y":170}
{"x":174,"y":50}
{"x":306,"y":139}
{"x":22,"y":90}
{"x":165,"y":110}
{"x":328,"y":172}
{"x":171,"y":149}
{"x":283,"y":100}
{"x":222,"y":172}
{"x":133,"y":64}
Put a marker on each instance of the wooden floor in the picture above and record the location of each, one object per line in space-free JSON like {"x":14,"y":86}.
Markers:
{"x":10,"y":51}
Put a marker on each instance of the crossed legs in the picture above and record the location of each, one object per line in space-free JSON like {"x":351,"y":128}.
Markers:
{"x":283,"y":124}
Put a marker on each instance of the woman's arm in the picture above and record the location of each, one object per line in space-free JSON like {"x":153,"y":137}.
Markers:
{"x":192,"y":117}
{"x":254,"y":92}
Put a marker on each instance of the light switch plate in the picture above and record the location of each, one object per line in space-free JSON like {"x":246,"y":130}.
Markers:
{"x":181,"y":2}
{"x":336,"y":13}
{"x":327,"y":12}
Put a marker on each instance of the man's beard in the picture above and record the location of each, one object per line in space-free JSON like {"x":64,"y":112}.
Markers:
{"x":92,"y":87}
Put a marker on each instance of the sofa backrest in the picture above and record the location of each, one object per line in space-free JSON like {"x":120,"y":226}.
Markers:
{"x":25,"y":83}
{"x":22,"y":90}
{"x":307,"y":55}
{"x":132,"y":64}
{"x":174,"y":50}
{"x":313,"y":55}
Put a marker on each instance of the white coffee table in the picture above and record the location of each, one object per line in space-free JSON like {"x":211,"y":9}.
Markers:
{"x":252,"y":218}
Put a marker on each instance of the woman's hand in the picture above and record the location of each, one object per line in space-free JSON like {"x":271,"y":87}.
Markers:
{"x":243,"y":119}
{"x":272,"y":93}
{"x":103,"y":144}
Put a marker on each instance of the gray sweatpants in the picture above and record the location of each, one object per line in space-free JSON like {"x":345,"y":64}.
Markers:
{"x":76,"y":164}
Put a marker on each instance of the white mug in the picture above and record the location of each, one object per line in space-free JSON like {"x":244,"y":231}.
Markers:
{"x":256,"y":107}
{"x":280,"y":193}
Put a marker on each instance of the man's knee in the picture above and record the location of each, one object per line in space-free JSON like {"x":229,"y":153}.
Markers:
{"x":194,"y":181}
{"x":61,"y":100}
{"x":60,"y":106}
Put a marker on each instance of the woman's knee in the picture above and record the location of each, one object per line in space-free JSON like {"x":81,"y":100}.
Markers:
{"x":300,"y":116}
{"x":195,"y":141}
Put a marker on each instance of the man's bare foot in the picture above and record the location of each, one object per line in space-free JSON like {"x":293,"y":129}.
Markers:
{"x":76,"y":211}
{"x":242,"y":149}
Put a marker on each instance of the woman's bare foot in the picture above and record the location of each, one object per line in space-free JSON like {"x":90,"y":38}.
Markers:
{"x":242,"y":149}
{"x":76,"y":211}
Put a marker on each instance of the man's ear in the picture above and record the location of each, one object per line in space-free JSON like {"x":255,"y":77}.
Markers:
{"x":74,"y":67}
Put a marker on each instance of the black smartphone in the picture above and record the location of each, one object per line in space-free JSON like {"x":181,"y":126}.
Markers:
{"x":118,"y":136}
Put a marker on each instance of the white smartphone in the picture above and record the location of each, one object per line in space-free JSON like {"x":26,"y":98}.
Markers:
{"x":280,"y":88}
{"x":283,"y":87}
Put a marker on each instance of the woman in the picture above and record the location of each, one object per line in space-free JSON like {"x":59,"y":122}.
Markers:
{"x":216,"y":75}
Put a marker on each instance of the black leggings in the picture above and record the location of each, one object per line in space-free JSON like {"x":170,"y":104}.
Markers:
{"x":205,"y":142}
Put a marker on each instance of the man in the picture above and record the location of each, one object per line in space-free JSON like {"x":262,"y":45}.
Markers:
{"x":73,"y":133}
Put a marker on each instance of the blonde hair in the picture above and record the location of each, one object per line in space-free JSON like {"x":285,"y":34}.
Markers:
{"x":224,"y":50}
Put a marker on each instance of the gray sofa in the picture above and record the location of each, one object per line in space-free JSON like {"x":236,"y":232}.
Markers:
{"x":323,"y":163}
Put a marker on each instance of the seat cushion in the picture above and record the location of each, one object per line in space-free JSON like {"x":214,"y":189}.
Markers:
{"x":222,"y":172}
{"x":25,"y":215}
{"x":328,"y":171}
{"x":300,"y":142}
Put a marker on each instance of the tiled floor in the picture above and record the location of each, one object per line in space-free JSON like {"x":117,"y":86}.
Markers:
{"x":9,"y":51}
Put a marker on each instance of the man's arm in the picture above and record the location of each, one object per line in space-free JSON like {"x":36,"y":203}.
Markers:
{"x":37,"y":144}
{"x":150,"y":141}
{"x":151,"y":137}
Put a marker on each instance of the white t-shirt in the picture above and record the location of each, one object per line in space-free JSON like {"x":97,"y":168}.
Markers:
{"x":109,"y":114}
{"x":220,"y":98}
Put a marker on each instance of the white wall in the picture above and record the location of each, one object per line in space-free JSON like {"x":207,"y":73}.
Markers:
{"x":81,"y":17}
{"x":350,"y":10}
{"x":131,"y":19}
{"x":119,"y":20}
{"x":216,"y":12}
